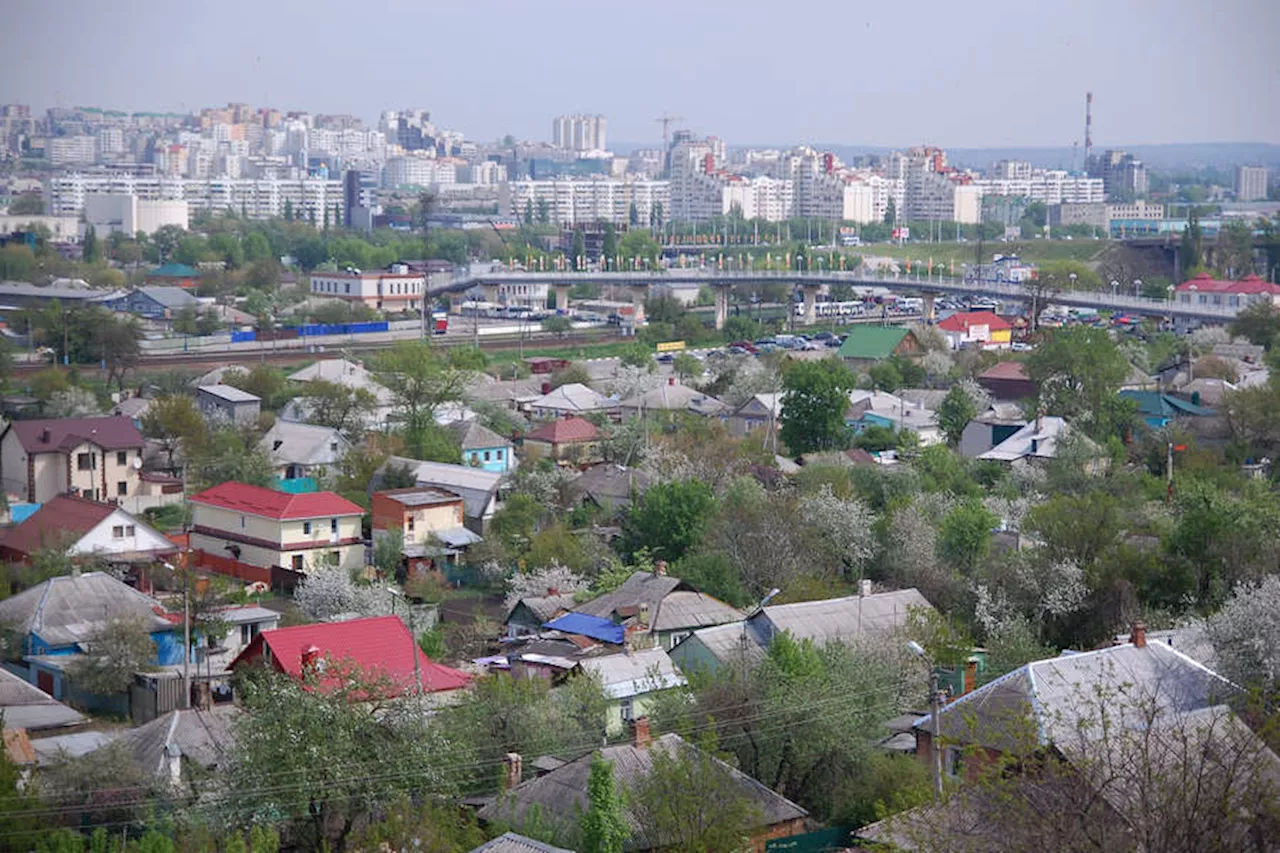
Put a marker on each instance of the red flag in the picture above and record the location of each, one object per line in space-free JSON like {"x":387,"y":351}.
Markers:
{"x":1179,"y":447}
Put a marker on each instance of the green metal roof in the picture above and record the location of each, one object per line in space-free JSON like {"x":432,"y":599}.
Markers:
{"x":173,"y":270}
{"x":1154,"y":403}
{"x":872,"y":342}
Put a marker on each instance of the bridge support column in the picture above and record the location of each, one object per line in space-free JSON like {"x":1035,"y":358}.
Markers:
{"x":810,"y":303}
{"x":930,"y":301}
{"x":490,"y":293}
{"x":455,"y":302}
{"x":639,"y":293}
{"x":722,"y":305}
{"x":562,"y":297}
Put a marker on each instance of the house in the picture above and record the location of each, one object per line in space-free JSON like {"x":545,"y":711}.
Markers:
{"x":1008,"y":381}
{"x":53,"y":621}
{"x":529,"y":614}
{"x":134,"y":408}
{"x":630,"y":681}
{"x":984,"y":329}
{"x":1206,"y":392}
{"x":866,"y":345}
{"x":571,"y":439}
{"x":1159,"y":410}
{"x":394,"y":289}
{"x":833,"y":620}
{"x":540,"y":365}
{"x":155,"y":303}
{"x":558,"y":798}
{"x":183,"y":745}
{"x":510,"y":842}
{"x":228,"y":404}
{"x":432,"y":522}
{"x":878,"y":409}
{"x":1037,"y":440}
{"x":668,"y":399}
{"x":96,"y":458}
{"x":1204,"y":289}
{"x":380,"y":648}
{"x":478,"y":488}
{"x":610,"y":487}
{"x":568,"y":400}
{"x":85,"y":528}
{"x":261,"y":527}
{"x":31,"y":709}
{"x":762,"y":411}
{"x":990,"y":428}
{"x":346,"y":373}
{"x":174,"y":275}
{"x":304,"y":451}
{"x":482,"y":447}
{"x":660,"y":609}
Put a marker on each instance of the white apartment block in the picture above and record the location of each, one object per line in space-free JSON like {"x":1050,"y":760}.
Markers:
{"x":770,"y":199}
{"x":110,"y":140}
{"x":1251,"y":183}
{"x":485,"y":173}
{"x":309,"y":198}
{"x":71,"y":150}
{"x":1051,"y":186}
{"x":1135,"y":210}
{"x":1010,"y":170}
{"x":129,"y":214}
{"x":580,"y":132}
{"x":416,"y":170}
{"x":577,"y":202}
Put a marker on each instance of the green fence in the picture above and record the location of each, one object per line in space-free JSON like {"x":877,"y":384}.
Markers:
{"x":821,"y":841}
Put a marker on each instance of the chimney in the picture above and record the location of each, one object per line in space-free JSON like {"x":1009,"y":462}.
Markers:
{"x":310,"y":657}
{"x":640,"y":737}
{"x":546,"y":387}
{"x":644,"y":615}
{"x":551,"y":590}
{"x":864,"y":587}
{"x":1138,"y":634}
{"x":970,"y":677}
{"x":512,"y":770}
{"x":671,"y":380}
{"x":660,"y":569}
{"x":173,"y":762}
{"x":1040,"y":421}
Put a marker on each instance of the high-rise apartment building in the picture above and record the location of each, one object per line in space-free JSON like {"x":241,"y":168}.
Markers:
{"x":1124,"y":177}
{"x":71,"y":150}
{"x":309,"y":199}
{"x":1251,"y":183}
{"x":571,"y":202}
{"x":580,"y":132}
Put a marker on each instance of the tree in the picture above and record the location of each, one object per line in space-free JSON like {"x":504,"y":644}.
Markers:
{"x":288,"y":210}
{"x":90,"y":249}
{"x":122,"y":647}
{"x":604,"y":828}
{"x":528,"y":211}
{"x":891,"y":213}
{"x":954,"y":414}
{"x":339,"y":406}
{"x":668,"y":520}
{"x":1246,"y":635}
{"x":27,"y":204}
{"x":637,"y":355}
{"x":1235,"y":242}
{"x":814,"y":404}
{"x":329,"y":591}
{"x":1189,"y":249}
{"x":421,"y":380}
{"x":965,"y":536}
{"x":557,"y":325}
{"x":579,"y":247}
{"x":174,"y":422}
{"x":686,"y":366}
{"x":228,"y":453}
{"x":1260,"y":323}
{"x":544,"y":211}
{"x":1078,"y":371}
{"x":72,"y":403}
{"x":843,"y":529}
{"x":609,"y":245}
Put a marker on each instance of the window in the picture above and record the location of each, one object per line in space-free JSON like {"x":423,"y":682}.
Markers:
{"x":487,"y":454}
{"x":117,"y":532}
{"x":242,"y":522}
{"x":333,"y":526}
{"x":626,"y":709}
{"x":130,"y":530}
{"x":122,"y":457}
{"x":1203,"y":299}
{"x":347,"y":288}
{"x":122,"y":488}
{"x":499,"y":455}
{"x":84,"y":462}
{"x":1234,"y":301}
{"x":297,"y":562}
{"x":409,"y":524}
{"x":335,"y":558}
{"x":306,"y":528}
{"x":952,"y":761}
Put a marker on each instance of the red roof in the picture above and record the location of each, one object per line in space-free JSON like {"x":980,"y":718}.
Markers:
{"x":1250,"y":284}
{"x":60,"y":521}
{"x":565,"y":431}
{"x":381,"y":646}
{"x":255,"y":500}
{"x":1006,"y":370}
{"x":60,"y":434}
{"x":962,"y":321}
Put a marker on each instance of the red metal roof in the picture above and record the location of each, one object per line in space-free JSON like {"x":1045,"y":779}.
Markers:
{"x":381,"y":646}
{"x":1006,"y":370}
{"x":565,"y":431}
{"x":255,"y":500}
{"x":1250,"y":284}
{"x":962,"y":321}
{"x":58,"y":522}
{"x":60,"y":434}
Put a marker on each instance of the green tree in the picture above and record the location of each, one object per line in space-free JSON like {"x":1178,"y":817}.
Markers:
{"x":1235,"y":242}
{"x":174,"y":421}
{"x":604,"y":827}
{"x":117,"y":339}
{"x":339,"y":406}
{"x":638,"y":243}
{"x":288,"y":210}
{"x":813,"y":405}
{"x":579,"y":248}
{"x":890,"y":213}
{"x":557,"y":325}
{"x":686,"y":366}
{"x":420,"y":380}
{"x":1190,"y":253}
{"x":637,"y":355}
{"x":955,"y":412}
{"x":1260,"y":323}
{"x":669,"y":520}
{"x":966,"y":534}
{"x":544,"y":212}
{"x":121,"y":648}
{"x":1078,"y":371}
{"x":90,"y":249}
{"x":609,"y":245}
{"x":27,"y":204}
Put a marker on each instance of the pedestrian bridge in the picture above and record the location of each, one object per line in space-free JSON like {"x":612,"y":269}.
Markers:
{"x":808,"y":283}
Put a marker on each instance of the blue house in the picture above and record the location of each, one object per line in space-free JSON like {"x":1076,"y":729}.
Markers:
{"x":482,"y":447}
{"x":154,"y":302}
{"x":1159,"y":410}
{"x":56,"y":620}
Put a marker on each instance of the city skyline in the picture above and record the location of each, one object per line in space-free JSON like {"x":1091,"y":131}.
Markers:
{"x":1008,"y":89}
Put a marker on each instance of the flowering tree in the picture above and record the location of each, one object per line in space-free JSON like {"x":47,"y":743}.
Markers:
{"x":327,"y":592}
{"x":845,"y":527}
{"x":1246,"y":633}
{"x":549,"y":580}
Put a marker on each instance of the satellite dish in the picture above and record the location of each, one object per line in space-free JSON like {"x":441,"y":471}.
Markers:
{"x":137,"y":463}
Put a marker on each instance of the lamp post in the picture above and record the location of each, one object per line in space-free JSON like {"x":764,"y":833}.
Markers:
{"x":413,"y":639}
{"x":1137,"y":287}
{"x":935,"y":713}
{"x":1073,"y":278}
{"x":1115,"y":289}
{"x":186,"y":638}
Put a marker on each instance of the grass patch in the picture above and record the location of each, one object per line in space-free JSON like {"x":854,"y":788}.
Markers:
{"x":1034,"y":251}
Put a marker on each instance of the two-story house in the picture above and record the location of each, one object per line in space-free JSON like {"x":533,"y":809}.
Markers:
{"x":228,"y":404}
{"x":96,"y":458}
{"x":432,"y":521}
{"x":263,"y":527}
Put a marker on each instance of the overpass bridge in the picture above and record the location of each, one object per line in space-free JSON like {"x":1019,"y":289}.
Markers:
{"x":638,"y":283}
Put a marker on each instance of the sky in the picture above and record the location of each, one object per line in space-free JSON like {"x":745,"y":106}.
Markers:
{"x":847,"y":72}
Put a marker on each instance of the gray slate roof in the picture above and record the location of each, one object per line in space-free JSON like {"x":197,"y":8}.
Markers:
{"x":1045,"y":433}
{"x":574,"y":398}
{"x":26,"y":706}
{"x":202,"y":737}
{"x":561,"y":795}
{"x":230,"y":393}
{"x":839,"y":619}
{"x":473,"y":435}
{"x":690,"y":609}
{"x":545,"y":607}
{"x":674,"y":398}
{"x":71,"y":609}
{"x":628,"y":674}
{"x":607,"y":483}
{"x":510,"y":842}
{"x":170,"y":297}
{"x":303,"y":444}
{"x":475,"y":485}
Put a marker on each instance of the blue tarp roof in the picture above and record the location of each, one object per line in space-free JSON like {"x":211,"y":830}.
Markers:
{"x":595,"y":627}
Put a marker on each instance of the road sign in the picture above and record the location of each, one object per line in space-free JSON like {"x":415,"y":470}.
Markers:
{"x":670,"y":346}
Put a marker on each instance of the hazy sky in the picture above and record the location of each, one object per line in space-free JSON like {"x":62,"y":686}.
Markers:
{"x":982,"y":73}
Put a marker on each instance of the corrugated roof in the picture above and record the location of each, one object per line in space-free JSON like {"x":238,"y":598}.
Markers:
{"x":628,"y":674}
{"x":174,"y":270}
{"x":109,"y":433}
{"x":230,"y":393}
{"x":421,"y":496}
{"x":610,"y":483}
{"x":204,"y":738}
{"x":1043,"y":433}
{"x":72,"y":609}
{"x":545,"y":607}
{"x":1006,"y":370}
{"x":26,"y":706}
{"x":170,"y":297}
{"x":1249,"y":284}
{"x":510,"y":842}
{"x":565,"y":431}
{"x":962,"y":321}
{"x":561,"y":795}
{"x":476,"y":485}
{"x":872,"y":342}
{"x":268,"y":503}
{"x":573,"y":397}
{"x":674,"y":398}
{"x":293,"y":443}
{"x":473,"y":435}
{"x":58,"y":523}
{"x":685,"y":609}
{"x":839,"y":619}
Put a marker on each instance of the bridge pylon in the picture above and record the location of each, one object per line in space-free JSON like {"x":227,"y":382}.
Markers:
{"x":810,"y":292}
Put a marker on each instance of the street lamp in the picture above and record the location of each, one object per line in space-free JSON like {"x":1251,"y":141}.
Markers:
{"x":935,"y":709}
{"x":1115,"y":288}
{"x":413,"y":639}
{"x":1137,"y":287}
{"x":1073,"y":278}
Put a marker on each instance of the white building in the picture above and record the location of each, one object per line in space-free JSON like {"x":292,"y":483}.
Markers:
{"x":130,"y":214}
{"x":419,"y":169}
{"x":394,"y":289}
{"x":580,"y":132}
{"x":577,"y":201}
{"x":770,"y":199}
{"x":1251,"y":183}
{"x":1135,"y":210}
{"x":71,"y":150}
{"x":1051,"y":186}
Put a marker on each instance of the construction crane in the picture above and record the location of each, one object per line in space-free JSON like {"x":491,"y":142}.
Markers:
{"x":666,"y":121}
